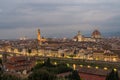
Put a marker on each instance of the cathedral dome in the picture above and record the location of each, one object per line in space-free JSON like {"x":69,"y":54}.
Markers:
{"x":96,"y":34}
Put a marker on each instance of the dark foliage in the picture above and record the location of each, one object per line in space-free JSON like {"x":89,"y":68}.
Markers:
{"x":41,"y":74}
{"x":9,"y":77}
{"x":74,"y":76}
{"x":29,"y":51}
{"x":48,"y":63}
{"x":113,"y":75}
{"x":0,"y":61}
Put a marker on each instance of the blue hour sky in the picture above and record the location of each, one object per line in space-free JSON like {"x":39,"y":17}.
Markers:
{"x":58,"y":18}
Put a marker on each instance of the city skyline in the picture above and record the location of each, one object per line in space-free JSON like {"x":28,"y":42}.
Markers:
{"x":58,"y":18}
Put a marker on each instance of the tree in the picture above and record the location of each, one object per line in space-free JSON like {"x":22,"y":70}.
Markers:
{"x":0,"y":68}
{"x":38,"y":66}
{"x":62,"y":67}
{"x":0,"y":75}
{"x":0,"y":61}
{"x":113,"y":75}
{"x":9,"y":77}
{"x":74,"y":76}
{"x":48,"y":63}
{"x":41,"y":74}
{"x":29,"y":51}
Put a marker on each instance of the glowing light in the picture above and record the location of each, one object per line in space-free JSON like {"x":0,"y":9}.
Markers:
{"x":89,"y":66}
{"x":42,"y":61}
{"x":115,"y":69}
{"x":97,"y":59}
{"x":81,"y":65}
{"x":105,"y":68}
{"x":55,"y":63}
{"x":96,"y":67}
{"x":74,"y":66}
{"x":36,"y":62}
{"x":114,"y":59}
{"x":68,"y":65}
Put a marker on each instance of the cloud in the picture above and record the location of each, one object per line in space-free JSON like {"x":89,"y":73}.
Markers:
{"x":1,"y":10}
{"x":71,"y":1}
{"x":56,"y":16}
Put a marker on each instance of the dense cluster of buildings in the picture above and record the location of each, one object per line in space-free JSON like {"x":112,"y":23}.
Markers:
{"x":21,"y":64}
{"x":19,"y":55}
{"x":80,"y":47}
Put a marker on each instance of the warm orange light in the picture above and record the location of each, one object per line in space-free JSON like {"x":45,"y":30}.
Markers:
{"x":74,"y":66}
{"x":105,"y":68}
{"x":89,"y":66}
{"x":96,"y":67}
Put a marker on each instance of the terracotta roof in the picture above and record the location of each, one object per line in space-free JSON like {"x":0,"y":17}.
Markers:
{"x":94,"y":71}
{"x":63,"y":74}
{"x":96,"y":32}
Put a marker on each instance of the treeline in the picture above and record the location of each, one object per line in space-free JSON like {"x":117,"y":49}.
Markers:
{"x":49,"y":71}
{"x":46,"y":71}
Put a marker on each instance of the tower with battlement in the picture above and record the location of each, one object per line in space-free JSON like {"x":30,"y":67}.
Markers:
{"x":39,"y":36}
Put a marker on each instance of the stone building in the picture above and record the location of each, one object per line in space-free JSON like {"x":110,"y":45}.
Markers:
{"x":95,"y":36}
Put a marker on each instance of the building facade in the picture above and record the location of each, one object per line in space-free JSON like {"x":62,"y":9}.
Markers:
{"x":95,"y":36}
{"x":39,"y":38}
{"x":19,"y":64}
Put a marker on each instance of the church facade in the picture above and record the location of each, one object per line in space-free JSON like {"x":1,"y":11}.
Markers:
{"x":95,"y":36}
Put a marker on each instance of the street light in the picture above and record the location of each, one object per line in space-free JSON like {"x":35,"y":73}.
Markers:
{"x":115,"y":69}
{"x":81,"y":65}
{"x":74,"y":66}
{"x":89,"y":66}
{"x":96,"y":67}
{"x":105,"y":68}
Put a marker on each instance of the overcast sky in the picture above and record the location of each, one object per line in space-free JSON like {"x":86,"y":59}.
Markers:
{"x":58,"y":18}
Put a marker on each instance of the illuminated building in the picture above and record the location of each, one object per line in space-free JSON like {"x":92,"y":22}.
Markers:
{"x":39,"y":36}
{"x":96,"y":36}
{"x":40,"y":40}
{"x":78,"y":37}
{"x":23,"y":38}
{"x":101,"y":55}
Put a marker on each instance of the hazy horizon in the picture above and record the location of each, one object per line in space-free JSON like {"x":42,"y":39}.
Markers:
{"x":58,"y":18}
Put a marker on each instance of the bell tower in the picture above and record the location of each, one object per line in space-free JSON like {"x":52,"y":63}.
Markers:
{"x":39,"y":36}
